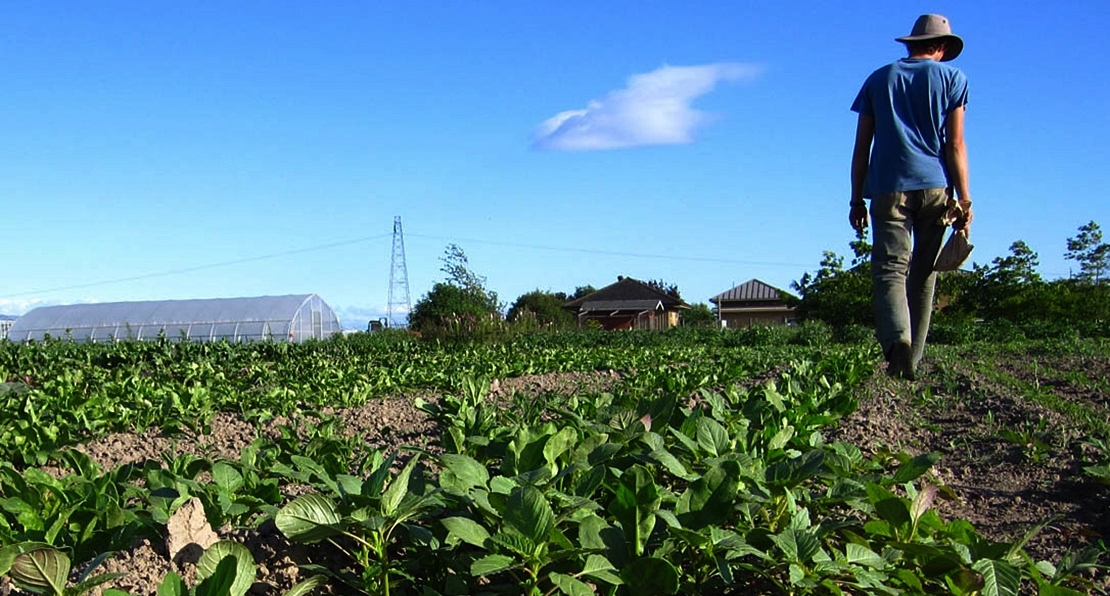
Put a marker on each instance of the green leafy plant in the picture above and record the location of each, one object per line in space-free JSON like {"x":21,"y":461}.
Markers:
{"x":226,"y":569}
{"x":468,"y":417}
{"x":241,"y":491}
{"x":702,"y":468}
{"x":1034,"y":439}
{"x":369,"y":514}
{"x":86,"y":510}
{"x":41,"y":569}
{"x":547,"y":545}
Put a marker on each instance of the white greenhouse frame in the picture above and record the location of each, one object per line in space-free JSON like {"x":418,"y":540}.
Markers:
{"x":293,"y":318}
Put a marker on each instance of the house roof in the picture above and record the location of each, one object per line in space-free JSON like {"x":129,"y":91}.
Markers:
{"x":627,"y":290}
{"x":619,"y":305}
{"x":750,"y":291}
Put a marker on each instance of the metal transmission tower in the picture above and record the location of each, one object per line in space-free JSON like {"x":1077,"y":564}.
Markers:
{"x":399,"y":304}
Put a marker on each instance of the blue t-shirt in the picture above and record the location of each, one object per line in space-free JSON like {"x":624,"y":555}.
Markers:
{"x":909,"y":100}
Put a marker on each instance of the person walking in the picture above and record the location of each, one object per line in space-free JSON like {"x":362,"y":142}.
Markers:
{"x":909,"y":158}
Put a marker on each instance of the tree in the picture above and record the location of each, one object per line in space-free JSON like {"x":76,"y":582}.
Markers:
{"x":1091,"y":291}
{"x":457,"y":267}
{"x":1018,"y":269}
{"x":699,"y":315}
{"x":1092,"y":254}
{"x":581,"y":291}
{"x":546,"y":307}
{"x":836,"y":295}
{"x":463,"y":294}
{"x":667,"y":288}
{"x":1009,"y":288}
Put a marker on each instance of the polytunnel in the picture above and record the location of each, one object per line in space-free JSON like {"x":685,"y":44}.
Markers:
{"x":293,"y":318}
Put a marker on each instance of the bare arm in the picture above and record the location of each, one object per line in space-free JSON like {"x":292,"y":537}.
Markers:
{"x":861,"y":156}
{"x":956,"y":155}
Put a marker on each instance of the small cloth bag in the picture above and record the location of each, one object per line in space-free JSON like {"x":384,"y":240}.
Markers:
{"x":958,"y":247}
{"x":954,"y":252}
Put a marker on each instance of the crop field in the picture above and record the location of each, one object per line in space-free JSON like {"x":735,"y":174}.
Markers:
{"x":685,"y":462}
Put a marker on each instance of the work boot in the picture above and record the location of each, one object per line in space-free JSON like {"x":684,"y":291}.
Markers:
{"x":900,"y":362}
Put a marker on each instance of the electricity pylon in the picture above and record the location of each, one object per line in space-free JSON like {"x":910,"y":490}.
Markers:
{"x":397,"y":313}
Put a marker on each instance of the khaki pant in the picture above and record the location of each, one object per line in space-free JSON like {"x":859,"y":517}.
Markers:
{"x":906,"y":240}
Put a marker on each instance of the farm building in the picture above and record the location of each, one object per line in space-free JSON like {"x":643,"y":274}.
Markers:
{"x":293,"y":318}
{"x":628,"y":304}
{"x":5,"y":324}
{"x":752,"y":303}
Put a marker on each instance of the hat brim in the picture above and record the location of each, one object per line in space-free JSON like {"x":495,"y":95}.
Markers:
{"x":954,"y":46}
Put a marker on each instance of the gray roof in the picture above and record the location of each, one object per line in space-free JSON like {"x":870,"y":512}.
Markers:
{"x":627,"y":290}
{"x":750,"y":291}
{"x":615,"y":305}
{"x":284,"y":318}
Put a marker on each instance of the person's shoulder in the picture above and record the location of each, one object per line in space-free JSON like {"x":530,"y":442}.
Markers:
{"x":942,"y":71}
{"x":882,"y":73}
{"x":951,"y":72}
{"x":949,"y":67}
{"x":945,"y":67}
{"x":885,"y":69}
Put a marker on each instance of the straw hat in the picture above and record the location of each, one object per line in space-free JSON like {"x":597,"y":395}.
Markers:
{"x":935,"y":26}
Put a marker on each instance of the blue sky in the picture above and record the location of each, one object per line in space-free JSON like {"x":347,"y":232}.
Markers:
{"x":191,"y":150}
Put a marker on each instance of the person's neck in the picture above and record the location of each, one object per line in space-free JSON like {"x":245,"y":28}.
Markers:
{"x":937,"y":55}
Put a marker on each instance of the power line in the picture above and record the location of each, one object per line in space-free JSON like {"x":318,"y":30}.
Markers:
{"x":612,"y":253}
{"x":318,"y":247}
{"x":198,"y":267}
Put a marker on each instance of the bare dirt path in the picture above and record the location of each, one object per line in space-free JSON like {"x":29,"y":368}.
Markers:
{"x":1005,"y":484}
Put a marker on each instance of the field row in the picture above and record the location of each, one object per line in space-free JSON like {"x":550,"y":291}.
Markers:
{"x":704,"y":470}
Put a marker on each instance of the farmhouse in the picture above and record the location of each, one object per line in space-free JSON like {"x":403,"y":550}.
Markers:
{"x":628,"y":304}
{"x":752,"y":303}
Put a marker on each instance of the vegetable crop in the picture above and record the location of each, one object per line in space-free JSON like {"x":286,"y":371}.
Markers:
{"x":689,"y":476}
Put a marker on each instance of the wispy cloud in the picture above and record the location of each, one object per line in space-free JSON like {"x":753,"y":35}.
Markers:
{"x":358,"y":317}
{"x":654,"y":109}
{"x":15,"y":307}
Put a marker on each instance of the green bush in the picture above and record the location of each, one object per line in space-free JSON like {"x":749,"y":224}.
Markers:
{"x":1093,"y":328}
{"x":998,"y":331}
{"x":471,"y":329}
{"x":853,"y":334}
{"x":812,"y":333}
{"x":1039,"y":329}
{"x":952,"y":333}
{"x":757,"y":336}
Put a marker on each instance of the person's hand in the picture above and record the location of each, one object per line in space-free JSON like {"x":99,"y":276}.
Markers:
{"x":963,"y":223}
{"x":858,"y":216}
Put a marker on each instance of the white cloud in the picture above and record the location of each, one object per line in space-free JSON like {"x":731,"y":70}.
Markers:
{"x":654,"y":109}
{"x":358,"y":317}
{"x":16,"y":307}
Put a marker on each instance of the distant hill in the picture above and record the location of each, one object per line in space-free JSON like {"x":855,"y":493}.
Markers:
{"x":7,"y":318}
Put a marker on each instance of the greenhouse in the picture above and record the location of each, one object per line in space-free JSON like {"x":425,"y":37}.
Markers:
{"x":294,"y":318}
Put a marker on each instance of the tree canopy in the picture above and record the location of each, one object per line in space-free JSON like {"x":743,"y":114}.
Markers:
{"x":1092,"y":254}
{"x":670,"y":289}
{"x":546,"y":308}
{"x":698,"y":315}
{"x":463,"y":294}
{"x":836,"y":295}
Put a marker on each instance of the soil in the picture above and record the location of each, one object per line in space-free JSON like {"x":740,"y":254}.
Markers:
{"x":1025,"y":485}
{"x":387,"y":424}
{"x":1003,"y":486}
